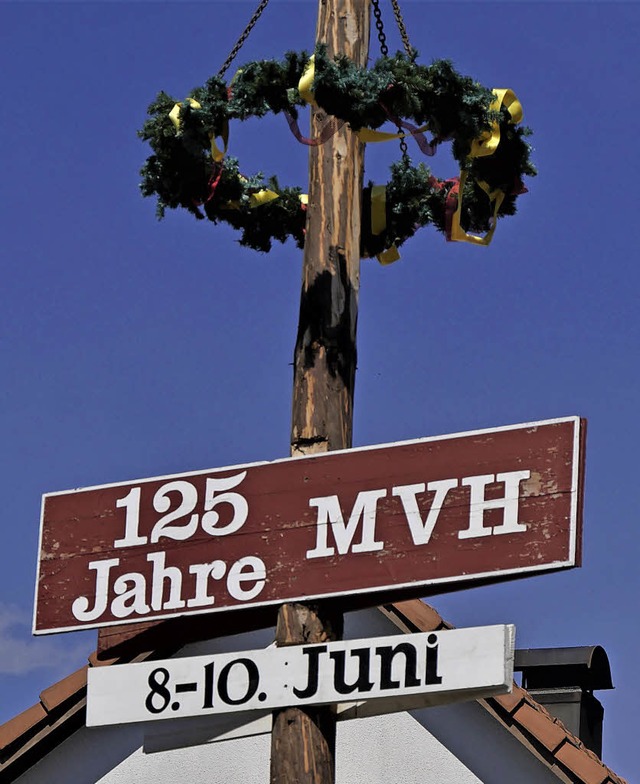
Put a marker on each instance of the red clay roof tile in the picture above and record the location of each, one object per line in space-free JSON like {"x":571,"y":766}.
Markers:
{"x":541,"y":726}
{"x":62,"y":690}
{"x":94,"y":661}
{"x":510,"y":702}
{"x":421,"y":614}
{"x":21,"y":724}
{"x":588,"y":769}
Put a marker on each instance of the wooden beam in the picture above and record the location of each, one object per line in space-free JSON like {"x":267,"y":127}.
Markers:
{"x":325,"y":352}
{"x":303,"y":740}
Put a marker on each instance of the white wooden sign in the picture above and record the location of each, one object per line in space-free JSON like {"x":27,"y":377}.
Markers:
{"x":445,"y":666}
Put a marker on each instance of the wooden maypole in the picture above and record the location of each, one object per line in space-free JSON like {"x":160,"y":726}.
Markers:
{"x":303,"y":740}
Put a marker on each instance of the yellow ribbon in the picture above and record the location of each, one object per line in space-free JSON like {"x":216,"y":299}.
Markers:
{"x":379,"y":222}
{"x":263,"y":196}
{"x":458,"y":234}
{"x":486,"y":144}
{"x":306,"y":82}
{"x":369,"y":135}
{"x":388,"y":256}
{"x":216,"y":153}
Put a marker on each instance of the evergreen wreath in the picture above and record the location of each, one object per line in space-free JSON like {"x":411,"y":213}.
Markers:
{"x":183,"y":171}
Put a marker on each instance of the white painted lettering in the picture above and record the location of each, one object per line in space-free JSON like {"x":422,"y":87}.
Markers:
{"x":80,"y":606}
{"x":329,"y":511}
{"x":161,"y":573}
{"x":129,"y":599}
{"x":508,"y":503}
{"x":421,"y":531}
{"x":214,"y":570}
{"x":245,"y":570}
{"x":131,"y":502}
{"x":134,"y":593}
{"x":238,"y":503}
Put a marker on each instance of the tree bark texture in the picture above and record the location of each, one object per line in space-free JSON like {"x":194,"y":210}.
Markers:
{"x":303,"y":740}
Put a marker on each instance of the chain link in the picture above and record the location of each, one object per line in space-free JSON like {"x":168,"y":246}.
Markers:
{"x":384,"y":49}
{"x":401,"y":27}
{"x":257,"y":14}
{"x":403,"y":30}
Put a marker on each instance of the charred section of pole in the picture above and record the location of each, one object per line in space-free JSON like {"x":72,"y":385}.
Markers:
{"x":327,"y":313}
{"x":325,"y":352}
{"x":325,"y":358}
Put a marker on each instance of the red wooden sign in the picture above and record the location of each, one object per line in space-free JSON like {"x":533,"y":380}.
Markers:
{"x":469,"y":507}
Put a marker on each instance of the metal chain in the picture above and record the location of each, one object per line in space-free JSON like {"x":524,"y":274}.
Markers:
{"x":401,"y":26}
{"x":384,"y":49}
{"x":403,"y":30}
{"x":257,"y":14}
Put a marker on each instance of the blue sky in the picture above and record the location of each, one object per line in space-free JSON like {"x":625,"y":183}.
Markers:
{"x":132,"y":348}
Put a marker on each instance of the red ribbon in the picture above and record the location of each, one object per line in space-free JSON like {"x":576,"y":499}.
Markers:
{"x":451,"y":200}
{"x":428,"y":148}
{"x":331,"y":127}
{"x":214,"y":180}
